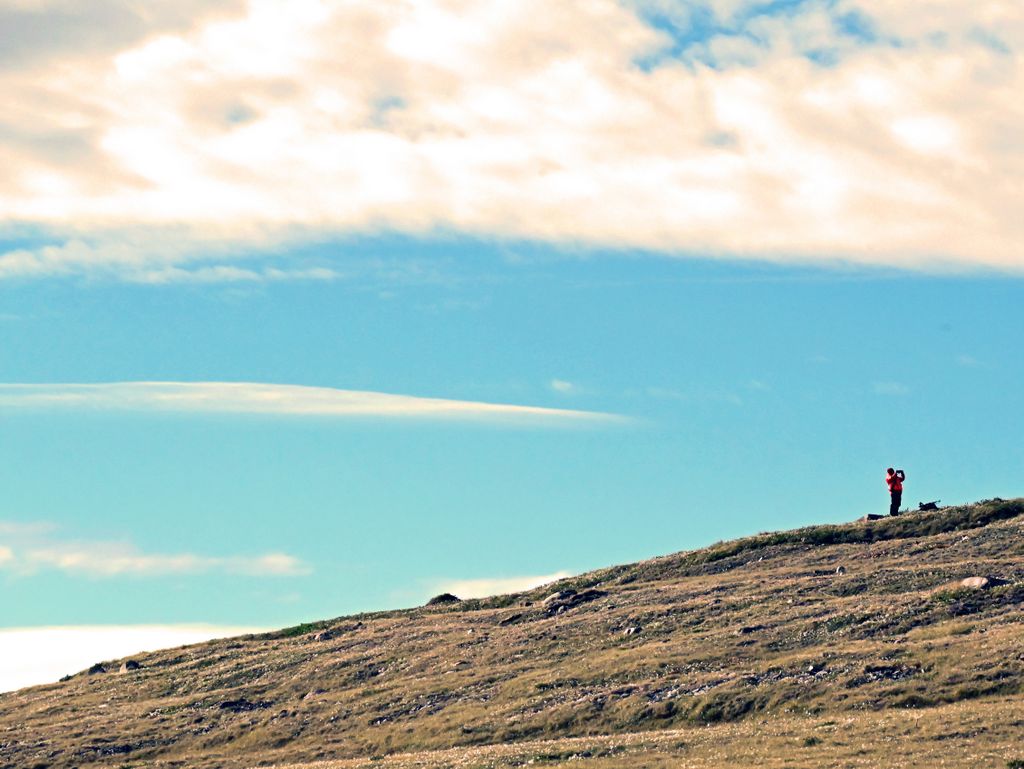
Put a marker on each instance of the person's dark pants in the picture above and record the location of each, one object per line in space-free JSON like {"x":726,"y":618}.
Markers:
{"x":897,"y":498}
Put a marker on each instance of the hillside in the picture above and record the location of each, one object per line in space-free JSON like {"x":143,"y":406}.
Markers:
{"x":844,"y":645}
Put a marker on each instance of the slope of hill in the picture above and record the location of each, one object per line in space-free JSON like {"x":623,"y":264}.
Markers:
{"x":830,"y":640}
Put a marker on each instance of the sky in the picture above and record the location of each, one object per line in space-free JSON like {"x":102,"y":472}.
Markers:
{"x":312,"y":308}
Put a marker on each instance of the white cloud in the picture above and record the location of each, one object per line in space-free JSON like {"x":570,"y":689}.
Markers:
{"x":25,"y":529}
{"x":40,"y":655}
{"x":562,"y":386}
{"x":483,"y":588}
{"x":275,"y":564}
{"x":228,"y":274}
{"x":112,"y":559}
{"x":890,"y":388}
{"x":33,"y":547}
{"x":519,"y":119}
{"x":157,"y":256}
{"x":274,"y":399}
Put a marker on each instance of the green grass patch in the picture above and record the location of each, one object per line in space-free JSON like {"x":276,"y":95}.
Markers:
{"x":296,"y":630}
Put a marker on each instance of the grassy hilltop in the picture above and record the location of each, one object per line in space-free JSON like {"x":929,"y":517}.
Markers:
{"x":846,"y":645}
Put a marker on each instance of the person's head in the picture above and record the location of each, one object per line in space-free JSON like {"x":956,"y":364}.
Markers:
{"x":889,"y":471}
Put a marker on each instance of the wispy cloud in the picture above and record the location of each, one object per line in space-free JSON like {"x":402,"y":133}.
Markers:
{"x":862,"y":130}
{"x":274,"y":399}
{"x":890,"y":388}
{"x":112,"y":559}
{"x":488,"y":586}
{"x":229,"y":274}
{"x":35,"y":547}
{"x":41,"y":655}
{"x":563,"y":386}
{"x":25,"y":529}
{"x":159,"y":256}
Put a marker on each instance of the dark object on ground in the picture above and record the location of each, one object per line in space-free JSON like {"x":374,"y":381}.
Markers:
{"x":561,"y":595}
{"x":243,"y":705}
{"x":128,"y":665}
{"x":439,"y":600}
{"x":748,"y":629}
{"x":564,"y":600}
{"x":330,"y":633}
{"x":872,"y":517}
{"x":925,"y":506}
{"x":97,"y":668}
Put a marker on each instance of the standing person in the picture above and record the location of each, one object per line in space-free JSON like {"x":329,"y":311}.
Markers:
{"x":894,"y":480}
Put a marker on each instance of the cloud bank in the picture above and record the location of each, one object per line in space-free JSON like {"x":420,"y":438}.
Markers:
{"x":42,"y":655}
{"x":144,"y":137}
{"x":274,"y":399}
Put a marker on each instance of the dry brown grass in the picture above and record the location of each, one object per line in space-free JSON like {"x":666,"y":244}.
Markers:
{"x":756,"y":647}
{"x":971,"y":734}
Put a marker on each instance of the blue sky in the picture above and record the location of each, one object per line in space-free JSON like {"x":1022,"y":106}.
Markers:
{"x":598,"y":285}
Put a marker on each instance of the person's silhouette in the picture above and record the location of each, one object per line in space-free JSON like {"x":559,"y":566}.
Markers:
{"x":894,"y":480}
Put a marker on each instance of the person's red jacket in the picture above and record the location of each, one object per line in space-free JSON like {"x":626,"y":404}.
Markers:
{"x":895,"y":481}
